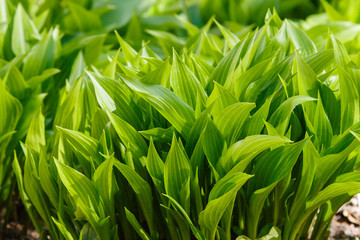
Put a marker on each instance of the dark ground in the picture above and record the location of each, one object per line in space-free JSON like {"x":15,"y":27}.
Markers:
{"x":346,"y":223}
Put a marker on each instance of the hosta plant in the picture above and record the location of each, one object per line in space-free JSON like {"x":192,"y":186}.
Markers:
{"x":218,"y":136}
{"x":44,"y":46}
{"x":27,"y":56}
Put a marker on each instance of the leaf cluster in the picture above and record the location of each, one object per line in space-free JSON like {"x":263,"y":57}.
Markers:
{"x":200,"y":132}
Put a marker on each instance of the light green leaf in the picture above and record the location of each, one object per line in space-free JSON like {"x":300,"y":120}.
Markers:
{"x":80,"y":143}
{"x":83,"y":19}
{"x":177,"y":175}
{"x":227,"y":65}
{"x":322,"y":126}
{"x":255,"y":123}
{"x":281,"y":117}
{"x":299,"y":38}
{"x":42,"y":55}
{"x":129,"y":136}
{"x":16,"y":83}
{"x":115,"y":97}
{"x":103,"y":181}
{"x":280,"y":161}
{"x":185,"y":84}
{"x":230,"y":37}
{"x":221,"y":195}
{"x":220,"y":98}
{"x":159,"y":134}
{"x":155,"y":167}
{"x":83,"y":191}
{"x":24,"y":31}
{"x":11,"y":110}
{"x":36,"y":135}
{"x":349,"y":99}
{"x":213,"y":144}
{"x":67,"y":235}
{"x":36,"y":80}
{"x":230,"y":120}
{"x":243,"y":152}
{"x":178,"y":113}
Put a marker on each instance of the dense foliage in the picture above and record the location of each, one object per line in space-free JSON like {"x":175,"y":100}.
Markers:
{"x":176,"y":126}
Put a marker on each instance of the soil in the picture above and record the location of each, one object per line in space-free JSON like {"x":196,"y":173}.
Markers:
{"x":346,"y":223}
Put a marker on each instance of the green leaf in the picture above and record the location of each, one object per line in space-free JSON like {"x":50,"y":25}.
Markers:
{"x":280,"y":161}
{"x":159,"y":134}
{"x":155,"y":167}
{"x":230,"y":120}
{"x":281,"y":117}
{"x":330,"y":192}
{"x":307,"y":80}
{"x":115,"y":97}
{"x":255,"y":123}
{"x":227,"y":65}
{"x":310,"y":157}
{"x":195,"y":231}
{"x":24,"y":31}
{"x":142,"y":190}
{"x":177,"y":175}
{"x":77,"y":68}
{"x":349,"y":99}
{"x":11,"y":110}
{"x":185,"y":84}
{"x":320,"y":60}
{"x":36,"y":135}
{"x":34,"y":189}
{"x":230,"y":37}
{"x":274,"y":234}
{"x":129,"y":136}
{"x":300,"y":40}
{"x":67,"y":235}
{"x":221,"y":195}
{"x":47,"y":179}
{"x":214,"y":144}
{"x":136,"y":225}
{"x":83,"y":19}
{"x":129,"y":53}
{"x":331,"y":12}
{"x":87,"y":232}
{"x":30,"y":107}
{"x":327,"y":165}
{"x":103,"y":181}
{"x":16,"y":83}
{"x":42,"y":55}
{"x":243,"y":152}
{"x":256,"y":204}
{"x":80,"y":143}
{"x":322,"y":126}
{"x":83,"y":191}
{"x":178,"y":113}
{"x":220,"y":98}
{"x":99,"y":123}
{"x":249,"y":77}
{"x":120,"y":12}
{"x":29,"y":207}
{"x":36,"y":80}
